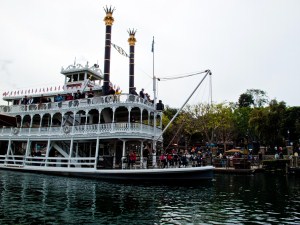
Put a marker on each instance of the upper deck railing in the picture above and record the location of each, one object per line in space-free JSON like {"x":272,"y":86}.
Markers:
{"x":78,"y":103}
{"x":88,"y":130}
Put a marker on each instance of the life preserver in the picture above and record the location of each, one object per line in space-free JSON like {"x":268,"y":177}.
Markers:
{"x":16,"y":130}
{"x":66,"y":129}
{"x":6,"y":108}
{"x":110,"y":98}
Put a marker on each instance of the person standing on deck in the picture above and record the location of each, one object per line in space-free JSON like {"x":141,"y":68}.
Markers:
{"x":142,"y":95}
{"x":132,"y":159}
{"x":133,"y":91}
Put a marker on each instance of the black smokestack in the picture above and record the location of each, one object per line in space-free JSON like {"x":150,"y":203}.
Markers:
{"x":109,"y":20}
{"x":131,"y":41}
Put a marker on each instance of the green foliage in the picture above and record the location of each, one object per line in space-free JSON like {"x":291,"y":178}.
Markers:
{"x":260,"y":97}
{"x":253,"y":97}
{"x":271,"y":125}
{"x":245,"y":100}
{"x":292,"y":123}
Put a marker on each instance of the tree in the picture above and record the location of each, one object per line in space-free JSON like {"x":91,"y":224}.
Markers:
{"x":241,"y":124}
{"x":268,"y":123}
{"x":245,"y":100}
{"x":213,"y":121}
{"x":253,"y":97}
{"x":292,"y":124}
{"x":170,"y":132}
{"x":260,"y":97}
{"x":258,"y":118}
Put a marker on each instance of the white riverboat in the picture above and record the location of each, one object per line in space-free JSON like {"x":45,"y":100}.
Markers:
{"x":92,"y":135}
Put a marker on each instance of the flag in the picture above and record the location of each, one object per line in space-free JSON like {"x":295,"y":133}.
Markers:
{"x":120,"y":50}
{"x":152,"y":49}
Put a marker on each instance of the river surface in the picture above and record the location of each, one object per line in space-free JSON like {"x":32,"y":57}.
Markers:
{"x":229,"y":199}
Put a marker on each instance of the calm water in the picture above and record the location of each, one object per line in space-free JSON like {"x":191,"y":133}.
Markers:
{"x":228,"y":199}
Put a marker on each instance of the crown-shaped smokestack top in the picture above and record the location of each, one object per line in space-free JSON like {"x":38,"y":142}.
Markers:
{"x":108,"y":19}
{"x":131,"y":39}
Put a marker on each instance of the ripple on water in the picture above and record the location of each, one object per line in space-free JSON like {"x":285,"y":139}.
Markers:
{"x":39,"y":199}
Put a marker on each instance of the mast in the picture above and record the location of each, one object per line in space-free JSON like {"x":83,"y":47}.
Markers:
{"x":109,"y":20}
{"x":131,"y":41}
{"x":207,"y":72}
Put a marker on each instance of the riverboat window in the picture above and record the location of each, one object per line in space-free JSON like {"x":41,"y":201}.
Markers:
{"x":75,"y":77}
{"x":69,"y":78}
{"x":16,"y":102}
{"x":81,"y":76}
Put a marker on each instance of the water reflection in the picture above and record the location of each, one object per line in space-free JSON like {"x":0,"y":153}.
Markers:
{"x":39,"y":199}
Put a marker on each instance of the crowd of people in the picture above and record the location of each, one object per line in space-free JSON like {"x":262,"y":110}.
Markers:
{"x":171,"y":158}
{"x":179,"y":159}
{"x":58,"y":98}
{"x":146,"y":96}
{"x":89,"y":94}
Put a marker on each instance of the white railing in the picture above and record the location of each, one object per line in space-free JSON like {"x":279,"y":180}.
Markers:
{"x":17,"y":160}
{"x":21,"y":160}
{"x":80,"y":103}
{"x":121,"y":128}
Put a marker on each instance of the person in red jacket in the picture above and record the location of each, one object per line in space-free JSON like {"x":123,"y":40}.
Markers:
{"x":132,"y":158}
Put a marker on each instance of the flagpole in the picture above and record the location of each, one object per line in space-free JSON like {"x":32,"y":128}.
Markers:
{"x":154,"y":78}
{"x":154,"y":103}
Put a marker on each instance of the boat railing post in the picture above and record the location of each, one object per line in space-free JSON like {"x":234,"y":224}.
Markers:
{"x":97,"y":153}
{"x":70,"y":152}
{"x":98,"y":128}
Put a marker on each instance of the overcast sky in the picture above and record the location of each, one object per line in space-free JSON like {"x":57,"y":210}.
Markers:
{"x":247,"y":44}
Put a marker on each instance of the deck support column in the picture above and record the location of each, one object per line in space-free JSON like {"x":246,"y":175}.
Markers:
{"x":154,"y":154}
{"x":114,"y":154}
{"x":96,"y":153}
{"x":113,"y":119}
{"x":141,"y":154}
{"x":70,"y":152}
{"x":26,"y":151}
{"x":51,"y":120}
{"x":74,"y":114}
{"x":86,"y":112}
{"x":30,"y":125}
{"x":7,"y":152}
{"x":47,"y":152}
{"x":41,"y":117}
{"x":141,"y":119}
{"x":123,"y":154}
{"x":99,"y":121}
{"x":129,"y":116}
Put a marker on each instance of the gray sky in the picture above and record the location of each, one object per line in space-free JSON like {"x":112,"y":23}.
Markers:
{"x":245,"y":43}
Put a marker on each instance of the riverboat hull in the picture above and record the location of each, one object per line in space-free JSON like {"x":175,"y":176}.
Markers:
{"x":167,"y":175}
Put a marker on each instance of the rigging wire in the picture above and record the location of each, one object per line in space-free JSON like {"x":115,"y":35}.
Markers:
{"x":181,"y":76}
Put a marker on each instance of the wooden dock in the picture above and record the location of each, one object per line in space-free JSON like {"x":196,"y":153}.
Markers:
{"x":231,"y":170}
